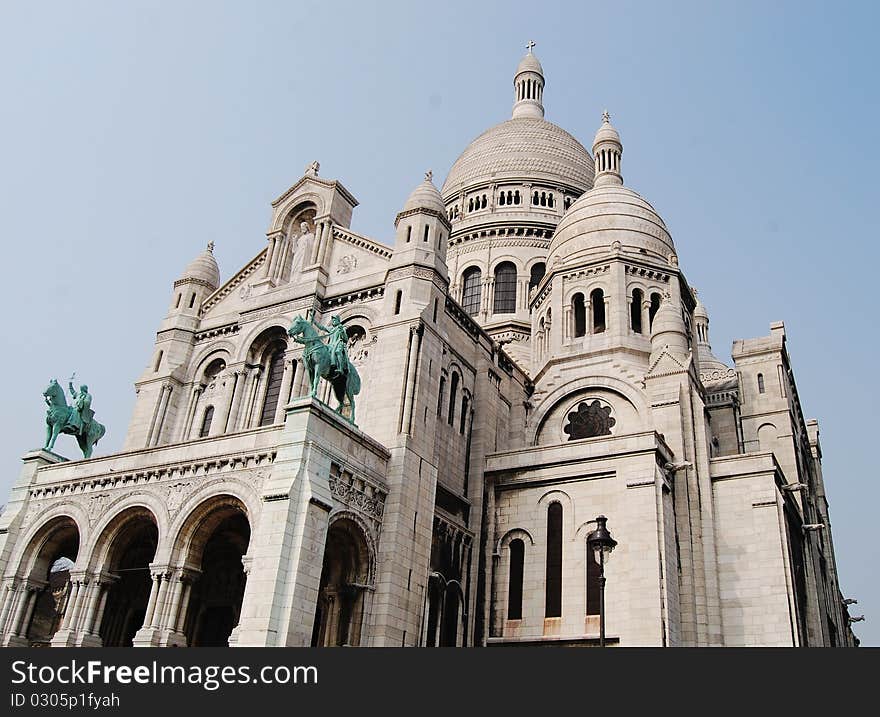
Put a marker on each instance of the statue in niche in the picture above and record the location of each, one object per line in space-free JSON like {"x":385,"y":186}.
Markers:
{"x":301,"y":246}
{"x":589,"y":420}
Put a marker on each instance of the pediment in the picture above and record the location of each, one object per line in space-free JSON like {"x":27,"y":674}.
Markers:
{"x":667,"y":364}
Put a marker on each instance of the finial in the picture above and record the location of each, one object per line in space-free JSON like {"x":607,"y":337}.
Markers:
{"x":211,"y":246}
{"x":529,"y":45}
{"x":429,"y":176}
{"x":606,"y":117}
{"x":312,"y":169}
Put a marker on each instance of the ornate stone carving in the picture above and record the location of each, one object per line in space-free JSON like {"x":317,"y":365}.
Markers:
{"x":347,"y":264}
{"x":589,"y":420}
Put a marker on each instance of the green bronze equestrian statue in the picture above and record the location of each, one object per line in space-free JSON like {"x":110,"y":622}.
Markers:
{"x":329,"y":361}
{"x":77,"y":420}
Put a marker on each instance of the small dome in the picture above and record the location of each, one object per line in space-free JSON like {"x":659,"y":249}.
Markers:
{"x":667,"y":319}
{"x":425,"y":196}
{"x":700,"y":310}
{"x":204,"y":268}
{"x":530,"y":63}
{"x":606,"y":132}
{"x":609,"y":214}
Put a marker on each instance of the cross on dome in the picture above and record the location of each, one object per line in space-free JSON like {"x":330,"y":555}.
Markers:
{"x":429,"y":176}
{"x":606,"y":116}
{"x":211,"y":246}
{"x":529,"y":45}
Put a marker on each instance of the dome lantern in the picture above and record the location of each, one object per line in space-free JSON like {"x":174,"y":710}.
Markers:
{"x":528,"y":85}
{"x":607,"y":151}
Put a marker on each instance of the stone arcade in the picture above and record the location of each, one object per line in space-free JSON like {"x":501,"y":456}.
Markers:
{"x":532,"y":356}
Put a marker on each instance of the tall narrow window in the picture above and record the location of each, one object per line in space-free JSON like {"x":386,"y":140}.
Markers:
{"x":398,"y":300}
{"x":273,"y":387}
{"x":470,"y":292}
{"x":635,"y":311}
{"x":434,"y":316}
{"x":462,"y":419}
{"x":505,"y":288}
{"x":536,"y":273}
{"x":553,"y":581}
{"x":427,"y":229}
{"x":408,"y":234}
{"x":501,"y":199}
{"x":515,"y":579}
{"x":597,"y":304}
{"x":761,"y":388}
{"x":440,"y":395}
{"x":158,"y":361}
{"x":179,"y":297}
{"x":653,"y":309}
{"x":192,"y":301}
{"x":579,"y":310}
{"x":592,"y":583}
{"x":516,"y":198}
{"x":453,"y":397}
{"x":206,"y":422}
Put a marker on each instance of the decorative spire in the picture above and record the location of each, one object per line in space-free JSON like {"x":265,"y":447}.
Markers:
{"x":429,"y":176}
{"x":607,"y":151}
{"x":211,"y":246}
{"x":312,"y":169}
{"x":528,"y":85}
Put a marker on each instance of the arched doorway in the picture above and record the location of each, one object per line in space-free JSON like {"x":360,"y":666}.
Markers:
{"x":218,"y":540}
{"x":133,"y":537}
{"x":52,"y":554}
{"x":345,"y":576}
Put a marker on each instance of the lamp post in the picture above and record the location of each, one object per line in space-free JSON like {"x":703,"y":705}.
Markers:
{"x":601,"y":543}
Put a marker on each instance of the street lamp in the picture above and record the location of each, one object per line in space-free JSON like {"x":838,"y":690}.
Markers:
{"x":601,"y":543}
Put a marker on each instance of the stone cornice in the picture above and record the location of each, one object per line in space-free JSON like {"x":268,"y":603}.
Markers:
{"x":234,"y":282}
{"x":358,"y":240}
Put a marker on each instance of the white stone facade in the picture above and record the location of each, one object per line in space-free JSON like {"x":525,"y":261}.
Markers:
{"x":532,"y":356}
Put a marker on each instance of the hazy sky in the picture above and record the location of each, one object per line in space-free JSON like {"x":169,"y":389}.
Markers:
{"x":133,"y":133}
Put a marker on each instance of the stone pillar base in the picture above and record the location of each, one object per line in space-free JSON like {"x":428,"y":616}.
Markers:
{"x":14,"y":641}
{"x":89,"y":641}
{"x":146,"y":637}
{"x":173,"y":639}
{"x":64,"y":638}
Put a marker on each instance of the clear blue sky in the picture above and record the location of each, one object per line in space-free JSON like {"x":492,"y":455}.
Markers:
{"x":133,"y":133}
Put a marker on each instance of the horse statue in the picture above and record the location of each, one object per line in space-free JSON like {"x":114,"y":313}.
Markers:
{"x":322,"y":361}
{"x":61,"y":418}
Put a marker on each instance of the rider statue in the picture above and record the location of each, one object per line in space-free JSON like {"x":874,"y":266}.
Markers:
{"x":82,"y":414}
{"x":337,"y":342}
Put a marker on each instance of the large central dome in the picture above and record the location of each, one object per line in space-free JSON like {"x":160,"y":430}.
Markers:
{"x":522,"y":148}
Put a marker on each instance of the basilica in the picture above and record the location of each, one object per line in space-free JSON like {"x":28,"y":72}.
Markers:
{"x":531,"y":358}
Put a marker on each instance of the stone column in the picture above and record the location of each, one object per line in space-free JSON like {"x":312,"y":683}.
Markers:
{"x":235,"y":400}
{"x":243,"y":398}
{"x":9,"y":595}
{"x":191,"y":412}
{"x":286,"y":383}
{"x":326,"y":241}
{"x":299,"y":380}
{"x":646,"y":318}
{"x":270,"y":252}
{"x":25,"y":610}
{"x":250,"y":408}
{"x":148,"y":635}
{"x":415,"y":339}
{"x":95,"y":627}
{"x":154,"y":594}
{"x":159,"y":419}
{"x":316,"y":244}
